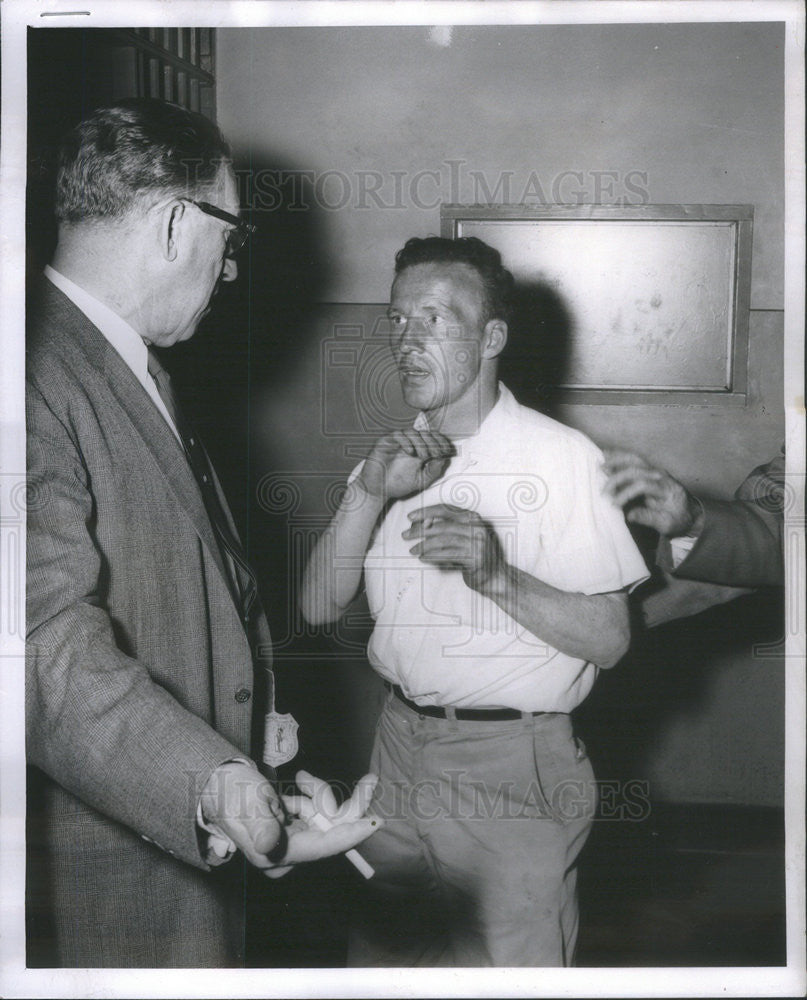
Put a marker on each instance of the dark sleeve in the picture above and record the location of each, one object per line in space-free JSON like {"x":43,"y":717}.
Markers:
{"x":741,"y":541}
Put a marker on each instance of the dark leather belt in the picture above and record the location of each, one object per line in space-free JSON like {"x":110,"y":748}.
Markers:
{"x":464,"y":714}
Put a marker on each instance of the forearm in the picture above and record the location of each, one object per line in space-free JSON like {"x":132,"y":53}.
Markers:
{"x":333,"y":575}
{"x":593,"y":627}
{"x":99,"y":726}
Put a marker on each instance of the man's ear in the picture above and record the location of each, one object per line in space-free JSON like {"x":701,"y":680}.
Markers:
{"x":495,"y":338}
{"x":171,"y":217}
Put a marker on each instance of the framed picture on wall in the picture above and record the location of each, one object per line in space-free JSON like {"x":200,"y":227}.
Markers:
{"x":647,"y":303}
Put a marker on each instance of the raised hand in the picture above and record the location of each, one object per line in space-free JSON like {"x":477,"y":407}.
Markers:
{"x":650,"y":496}
{"x":454,"y":538}
{"x":405,"y":462}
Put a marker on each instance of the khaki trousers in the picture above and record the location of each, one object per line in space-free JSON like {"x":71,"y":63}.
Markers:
{"x":476,"y":863}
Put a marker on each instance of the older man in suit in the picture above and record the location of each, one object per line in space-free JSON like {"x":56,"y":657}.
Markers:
{"x":143,"y":623}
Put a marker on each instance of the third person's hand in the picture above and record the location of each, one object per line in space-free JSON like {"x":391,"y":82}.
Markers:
{"x":649,"y":495}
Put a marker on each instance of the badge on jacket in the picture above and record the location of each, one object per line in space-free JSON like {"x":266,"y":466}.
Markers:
{"x":279,"y":738}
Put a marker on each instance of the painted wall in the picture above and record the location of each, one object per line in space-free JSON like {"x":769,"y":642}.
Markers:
{"x":411,"y":116}
{"x":352,"y":138}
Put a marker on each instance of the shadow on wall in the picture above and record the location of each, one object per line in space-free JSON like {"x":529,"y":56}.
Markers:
{"x":250,"y":341}
{"x":246,"y":350}
{"x":536,"y":358}
{"x":249,"y":349}
{"x":669,"y":674}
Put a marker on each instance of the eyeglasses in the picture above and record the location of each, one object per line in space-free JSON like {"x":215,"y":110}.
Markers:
{"x":237,"y":236}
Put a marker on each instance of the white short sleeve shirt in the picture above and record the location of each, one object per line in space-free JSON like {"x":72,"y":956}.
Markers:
{"x":539,"y":485}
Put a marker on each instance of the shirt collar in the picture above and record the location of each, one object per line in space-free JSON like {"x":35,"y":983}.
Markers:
{"x":489,"y":429}
{"x":120,"y":334}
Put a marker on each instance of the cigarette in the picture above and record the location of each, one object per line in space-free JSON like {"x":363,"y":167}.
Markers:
{"x":323,"y":823}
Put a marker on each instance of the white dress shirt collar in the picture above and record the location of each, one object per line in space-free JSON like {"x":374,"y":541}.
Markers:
{"x":488,"y":430}
{"x":120,"y":334}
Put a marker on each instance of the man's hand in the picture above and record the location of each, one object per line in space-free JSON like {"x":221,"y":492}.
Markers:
{"x":453,"y":538}
{"x":245,"y":807}
{"x":273,"y":832}
{"x":348,"y":825}
{"x":651,"y":496}
{"x":405,"y":462}
{"x":398,"y":465}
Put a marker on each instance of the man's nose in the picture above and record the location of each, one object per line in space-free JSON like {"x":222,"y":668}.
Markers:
{"x":230,"y":270}
{"x":412,"y":335}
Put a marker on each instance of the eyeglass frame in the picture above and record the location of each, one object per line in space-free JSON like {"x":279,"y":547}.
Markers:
{"x":236,"y":237}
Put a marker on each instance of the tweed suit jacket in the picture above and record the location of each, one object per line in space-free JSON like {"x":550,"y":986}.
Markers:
{"x":135,"y":655}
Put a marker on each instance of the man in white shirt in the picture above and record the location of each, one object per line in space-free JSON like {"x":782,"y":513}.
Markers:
{"x":497,"y":576}
{"x":142,"y":620}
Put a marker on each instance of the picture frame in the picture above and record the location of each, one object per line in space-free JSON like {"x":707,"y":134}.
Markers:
{"x":646,"y":303}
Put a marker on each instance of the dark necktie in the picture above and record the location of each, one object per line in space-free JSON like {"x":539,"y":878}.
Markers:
{"x":241,"y":578}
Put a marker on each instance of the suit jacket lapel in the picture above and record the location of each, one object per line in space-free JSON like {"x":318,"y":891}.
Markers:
{"x":147,"y":420}
{"x":166,"y":450}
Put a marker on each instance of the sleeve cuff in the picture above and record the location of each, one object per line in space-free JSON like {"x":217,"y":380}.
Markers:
{"x":217,"y":847}
{"x":675,"y":550}
{"x":680,"y":549}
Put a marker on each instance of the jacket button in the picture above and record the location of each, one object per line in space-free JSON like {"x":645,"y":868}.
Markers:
{"x":242,"y":695}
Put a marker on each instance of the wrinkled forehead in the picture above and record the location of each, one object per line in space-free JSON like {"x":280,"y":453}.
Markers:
{"x":447,"y":280}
